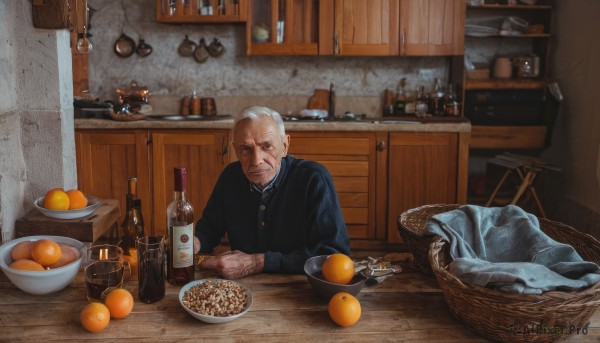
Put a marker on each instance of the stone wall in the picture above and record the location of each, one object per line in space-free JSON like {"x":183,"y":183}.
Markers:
{"x":37,"y":150}
{"x":166,"y":73}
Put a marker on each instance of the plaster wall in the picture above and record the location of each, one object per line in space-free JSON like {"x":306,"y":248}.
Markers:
{"x":37,"y":150}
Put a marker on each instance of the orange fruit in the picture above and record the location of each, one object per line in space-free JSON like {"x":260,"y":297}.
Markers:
{"x":344,"y":309}
{"x":94,"y":317}
{"x":46,"y":252}
{"x":21,"y":251}
{"x":56,"y":199}
{"x":338,"y":268}
{"x":68,"y":254}
{"x":77,"y":199}
{"x":27,"y":265}
{"x":119,"y":302}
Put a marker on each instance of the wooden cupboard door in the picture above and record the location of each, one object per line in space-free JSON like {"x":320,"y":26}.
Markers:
{"x":432,"y":27}
{"x":351,"y":161}
{"x":289,"y":27}
{"x":423,"y":169}
{"x":107,"y":159}
{"x":202,"y":153}
{"x":366,"y":28}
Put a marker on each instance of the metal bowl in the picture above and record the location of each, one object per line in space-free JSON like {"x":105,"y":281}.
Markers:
{"x":312,"y":269}
{"x":92,"y":205}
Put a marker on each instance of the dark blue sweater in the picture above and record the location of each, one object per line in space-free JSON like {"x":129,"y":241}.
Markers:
{"x":299,"y":217}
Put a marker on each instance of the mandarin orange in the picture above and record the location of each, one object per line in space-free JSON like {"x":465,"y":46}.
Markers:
{"x":338,"y":268}
{"x":77,"y":199}
{"x":56,"y":199}
{"x":22,"y":250}
{"x":46,"y":252}
{"x":25,"y":264}
{"x":344,"y":309}
{"x":119,"y":302}
{"x":94,"y":317}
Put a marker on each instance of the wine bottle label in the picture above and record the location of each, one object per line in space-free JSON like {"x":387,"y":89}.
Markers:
{"x":183,"y":246}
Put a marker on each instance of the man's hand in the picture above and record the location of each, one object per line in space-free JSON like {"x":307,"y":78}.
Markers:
{"x":235,"y":264}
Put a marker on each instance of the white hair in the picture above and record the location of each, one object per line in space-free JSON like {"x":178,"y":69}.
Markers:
{"x":254,"y":112}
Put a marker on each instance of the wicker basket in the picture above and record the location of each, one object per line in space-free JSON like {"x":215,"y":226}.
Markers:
{"x":411,"y":225}
{"x":509,"y":317}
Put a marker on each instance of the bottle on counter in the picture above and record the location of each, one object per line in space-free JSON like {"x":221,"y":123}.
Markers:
{"x":388,"y":103}
{"x":180,"y":234}
{"x":195,"y":104}
{"x":133,"y":224}
{"x":452,"y":106}
{"x":409,"y":108}
{"x":400,"y":105}
{"x":421,"y":106}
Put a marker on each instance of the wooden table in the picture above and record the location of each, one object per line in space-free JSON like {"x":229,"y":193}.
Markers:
{"x":407,"y":307}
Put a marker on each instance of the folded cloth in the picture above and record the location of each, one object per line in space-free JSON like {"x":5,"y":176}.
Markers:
{"x":504,"y":248}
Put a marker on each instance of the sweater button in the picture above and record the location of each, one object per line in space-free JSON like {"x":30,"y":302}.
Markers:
{"x":262,"y":207}
{"x":262,"y":224}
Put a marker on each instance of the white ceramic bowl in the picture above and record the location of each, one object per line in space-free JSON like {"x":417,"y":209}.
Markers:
{"x":214,"y":319}
{"x":92,"y":205}
{"x":41,"y":282}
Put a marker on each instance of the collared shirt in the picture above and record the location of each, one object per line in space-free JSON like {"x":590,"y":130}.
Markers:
{"x":297,"y":218}
{"x":268,"y":186}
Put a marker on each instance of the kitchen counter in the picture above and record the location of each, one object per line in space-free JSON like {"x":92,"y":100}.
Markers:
{"x":377,"y":124}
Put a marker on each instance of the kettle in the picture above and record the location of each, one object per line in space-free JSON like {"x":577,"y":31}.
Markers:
{"x":526,"y":66}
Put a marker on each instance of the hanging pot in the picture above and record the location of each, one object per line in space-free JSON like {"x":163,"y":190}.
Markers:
{"x":186,"y":48}
{"x":200,"y":53}
{"x":143,"y":49}
{"x":124,"y":46}
{"x":215,"y":48}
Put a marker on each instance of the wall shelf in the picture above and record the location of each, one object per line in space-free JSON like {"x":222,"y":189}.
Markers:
{"x":504,"y":84}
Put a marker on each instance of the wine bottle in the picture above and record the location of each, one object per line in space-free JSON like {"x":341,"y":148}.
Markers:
{"x":129,"y":226}
{"x":133,"y":224}
{"x":180,"y":234}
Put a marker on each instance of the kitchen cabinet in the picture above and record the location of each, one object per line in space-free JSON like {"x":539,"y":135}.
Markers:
{"x":432,"y":27}
{"x":107,"y":158}
{"x":479,"y":48}
{"x":201,"y":11}
{"x":289,"y":27}
{"x":424,"y":168}
{"x":377,"y":174}
{"x":366,"y":28}
{"x":353,"y":159}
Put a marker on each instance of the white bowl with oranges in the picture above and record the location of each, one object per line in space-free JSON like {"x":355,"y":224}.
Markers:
{"x":71,"y":204}
{"x":34,"y":268}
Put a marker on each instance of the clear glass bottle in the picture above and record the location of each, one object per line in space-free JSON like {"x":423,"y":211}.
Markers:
{"x":180,"y":234}
{"x":399,"y":108}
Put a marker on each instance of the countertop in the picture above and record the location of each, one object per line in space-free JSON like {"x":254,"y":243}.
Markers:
{"x":371,"y":124}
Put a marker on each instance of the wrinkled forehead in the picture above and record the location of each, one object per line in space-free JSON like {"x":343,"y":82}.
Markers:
{"x":258,"y":129}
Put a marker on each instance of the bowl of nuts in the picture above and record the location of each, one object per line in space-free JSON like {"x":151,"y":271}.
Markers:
{"x":215,"y":300}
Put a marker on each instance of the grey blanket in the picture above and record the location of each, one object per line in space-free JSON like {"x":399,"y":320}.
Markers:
{"x":504,"y":248}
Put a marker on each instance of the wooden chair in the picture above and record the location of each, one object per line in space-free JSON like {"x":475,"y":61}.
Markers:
{"x":527,"y":169}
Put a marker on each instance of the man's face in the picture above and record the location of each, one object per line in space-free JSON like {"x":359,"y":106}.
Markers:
{"x":259,"y":148}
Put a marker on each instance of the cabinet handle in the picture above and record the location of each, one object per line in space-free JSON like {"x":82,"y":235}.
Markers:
{"x":336,"y":47}
{"x":224,"y":150}
{"x":381,"y":146}
{"x":403,"y":41}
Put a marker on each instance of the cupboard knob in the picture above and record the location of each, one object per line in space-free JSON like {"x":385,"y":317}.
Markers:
{"x":381,"y":146}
